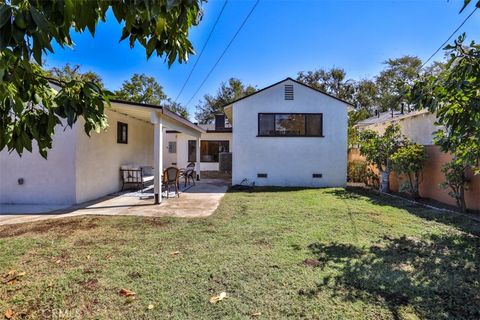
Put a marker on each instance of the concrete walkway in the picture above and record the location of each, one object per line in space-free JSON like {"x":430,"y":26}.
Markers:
{"x":200,"y":200}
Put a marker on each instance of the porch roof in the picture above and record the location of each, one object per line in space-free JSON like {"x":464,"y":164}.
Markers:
{"x":143,"y":111}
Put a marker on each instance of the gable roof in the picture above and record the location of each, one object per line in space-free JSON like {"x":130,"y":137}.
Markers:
{"x":286,"y":79}
{"x":389,"y":116}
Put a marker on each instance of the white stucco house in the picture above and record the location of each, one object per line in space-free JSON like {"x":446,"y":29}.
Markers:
{"x":287,"y":134}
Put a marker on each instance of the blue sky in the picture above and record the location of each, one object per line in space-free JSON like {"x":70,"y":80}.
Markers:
{"x":280,"y":39}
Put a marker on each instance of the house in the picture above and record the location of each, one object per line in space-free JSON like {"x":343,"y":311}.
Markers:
{"x":419,"y":126}
{"x":287,"y":134}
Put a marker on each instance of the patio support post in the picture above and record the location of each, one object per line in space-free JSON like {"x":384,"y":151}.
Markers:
{"x":197,"y":164}
{"x":157,"y":156}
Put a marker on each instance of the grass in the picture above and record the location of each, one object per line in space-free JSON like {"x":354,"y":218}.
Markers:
{"x":284,"y":253}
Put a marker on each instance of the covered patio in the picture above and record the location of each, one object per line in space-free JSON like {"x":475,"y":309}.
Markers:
{"x":162,"y":119}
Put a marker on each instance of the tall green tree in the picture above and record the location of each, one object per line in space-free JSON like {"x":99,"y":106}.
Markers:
{"x":141,"y":88}
{"x":177,"y":108}
{"x":394,"y":81}
{"x":378,"y":150}
{"x":333,"y":81}
{"x":229,"y":91}
{"x":29,"y":108}
{"x":454,"y":96}
{"x":69,"y":73}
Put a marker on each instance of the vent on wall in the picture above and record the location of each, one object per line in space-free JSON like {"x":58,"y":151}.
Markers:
{"x":261,"y":175}
{"x":316,"y":175}
{"x":289,"y":92}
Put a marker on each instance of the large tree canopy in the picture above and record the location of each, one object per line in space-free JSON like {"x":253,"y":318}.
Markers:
{"x":29,"y":108}
{"x":141,"y":88}
{"x":68,"y":73}
{"x":454,"y":95}
{"x":228,"y":92}
{"x":394,"y":81}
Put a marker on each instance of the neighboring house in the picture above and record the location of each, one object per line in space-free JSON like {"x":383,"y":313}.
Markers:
{"x":419,"y":126}
{"x":287,"y":134}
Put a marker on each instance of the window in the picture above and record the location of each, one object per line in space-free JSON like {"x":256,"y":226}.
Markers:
{"x":192,"y":151}
{"x":290,"y":125}
{"x":172,"y":147}
{"x":122,"y":132}
{"x":209,"y":150}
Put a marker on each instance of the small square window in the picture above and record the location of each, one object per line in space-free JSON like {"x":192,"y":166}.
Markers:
{"x":172,"y":147}
{"x":122,"y":132}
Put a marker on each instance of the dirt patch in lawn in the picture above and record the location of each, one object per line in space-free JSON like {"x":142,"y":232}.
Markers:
{"x":43,"y":227}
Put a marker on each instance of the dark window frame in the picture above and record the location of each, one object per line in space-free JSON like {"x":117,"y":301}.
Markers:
{"x":305,"y":114}
{"x":120,"y":127}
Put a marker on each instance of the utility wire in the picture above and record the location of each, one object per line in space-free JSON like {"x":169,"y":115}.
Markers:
{"x":224,"y":51}
{"x":446,"y":41}
{"x":201,"y":51}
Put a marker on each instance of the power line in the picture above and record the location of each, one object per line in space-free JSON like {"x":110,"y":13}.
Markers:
{"x":224,"y":51}
{"x":446,"y":41}
{"x":201,"y":51}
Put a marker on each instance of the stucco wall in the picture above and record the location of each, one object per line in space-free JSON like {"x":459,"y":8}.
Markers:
{"x":431,"y":177}
{"x":418,"y":128}
{"x":45,"y":181}
{"x":182,"y":147}
{"x":290,"y":161}
{"x":98,"y":158}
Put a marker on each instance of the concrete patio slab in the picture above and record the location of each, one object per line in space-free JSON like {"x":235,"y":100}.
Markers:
{"x":200,"y":200}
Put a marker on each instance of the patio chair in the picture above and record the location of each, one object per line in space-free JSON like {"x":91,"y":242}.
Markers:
{"x":171,"y":177}
{"x":188,"y":173}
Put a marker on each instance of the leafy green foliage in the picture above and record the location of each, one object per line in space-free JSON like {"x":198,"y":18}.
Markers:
{"x":29,"y":108}
{"x":141,"y":88}
{"x":409,"y":160}
{"x":394,"y":81}
{"x":68,"y":73}
{"x":456,"y":181}
{"x":177,"y":108}
{"x":229,"y":91}
{"x":378,"y":150}
{"x":454,"y":95}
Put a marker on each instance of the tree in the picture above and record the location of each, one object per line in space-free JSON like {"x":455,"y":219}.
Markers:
{"x":455,"y":98}
{"x":378,"y":150}
{"x":177,"y":108}
{"x":456,"y":180}
{"x":68,"y":73}
{"x":409,"y":160}
{"x":29,"y":109}
{"x":141,"y":88}
{"x":395,"y":80}
{"x":229,"y":91}
{"x":331,"y":81}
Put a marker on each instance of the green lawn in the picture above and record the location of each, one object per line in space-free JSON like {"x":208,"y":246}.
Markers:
{"x":316,"y":254}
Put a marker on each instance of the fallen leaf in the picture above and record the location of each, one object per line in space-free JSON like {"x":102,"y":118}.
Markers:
{"x":21,"y":274}
{"x":256,"y":314}
{"x":88,"y":257}
{"x":9,"y":314}
{"x":127,"y":293}
{"x":174,"y":253}
{"x":12,"y":276}
{"x":58,"y":261}
{"x":150,"y":306}
{"x":312,"y":262}
{"x":219,"y":297}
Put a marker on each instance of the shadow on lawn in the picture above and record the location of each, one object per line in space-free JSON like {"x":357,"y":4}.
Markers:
{"x":460,"y":221}
{"x":438,"y":277}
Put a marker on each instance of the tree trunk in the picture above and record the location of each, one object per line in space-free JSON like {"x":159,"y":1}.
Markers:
{"x":415,"y":186}
{"x":461,"y":199}
{"x":384,"y":181}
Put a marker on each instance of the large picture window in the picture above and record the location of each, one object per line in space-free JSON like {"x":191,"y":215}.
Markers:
{"x":209,"y":150}
{"x":290,"y":125}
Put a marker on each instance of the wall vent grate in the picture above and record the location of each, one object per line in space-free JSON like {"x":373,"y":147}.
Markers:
{"x":262,"y":175}
{"x":289,"y":92}
{"x":316,"y":175}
